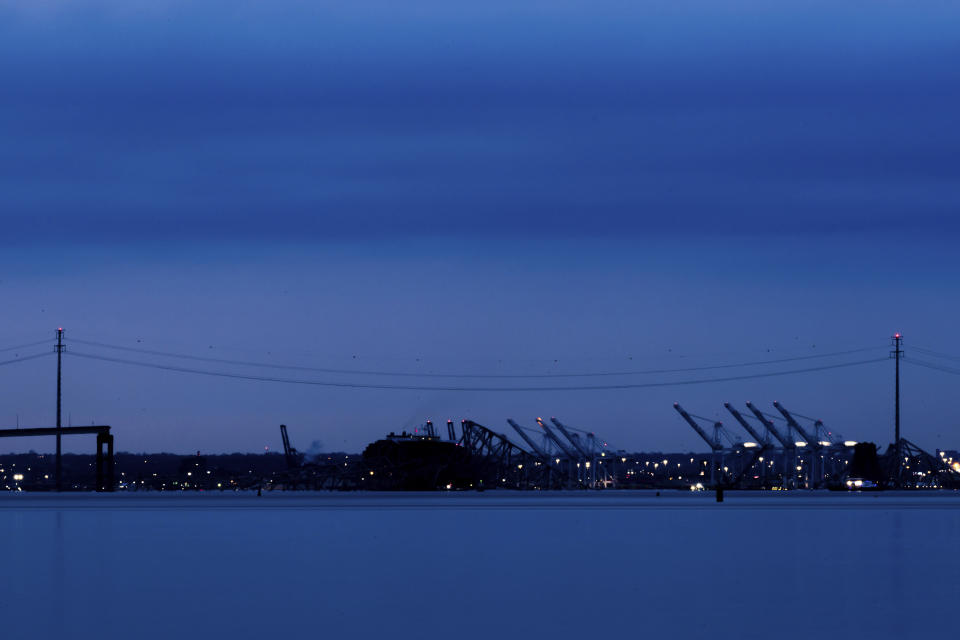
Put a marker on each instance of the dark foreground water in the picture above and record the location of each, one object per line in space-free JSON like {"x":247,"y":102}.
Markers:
{"x":487,"y":565}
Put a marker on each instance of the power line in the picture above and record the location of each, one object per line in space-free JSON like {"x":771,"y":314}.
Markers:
{"x":354,"y":385}
{"x":933,"y":365}
{"x":25,"y":346}
{"x":407,"y":374}
{"x":936,"y":354}
{"x":25,"y":358}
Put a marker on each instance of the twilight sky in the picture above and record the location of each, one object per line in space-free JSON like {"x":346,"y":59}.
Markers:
{"x":476,"y":188}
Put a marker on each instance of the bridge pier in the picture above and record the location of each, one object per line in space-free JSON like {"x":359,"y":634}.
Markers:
{"x":105,"y":475}
{"x":104,"y":483}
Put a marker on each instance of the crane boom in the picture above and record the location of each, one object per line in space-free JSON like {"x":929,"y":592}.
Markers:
{"x":574,"y":441}
{"x":746,"y":425}
{"x":555,"y":439}
{"x":769,"y":425}
{"x":815,"y":478}
{"x":288,"y":452}
{"x":833,"y":439}
{"x":530,"y":443}
{"x":715,"y":446}
{"x":813,"y":442}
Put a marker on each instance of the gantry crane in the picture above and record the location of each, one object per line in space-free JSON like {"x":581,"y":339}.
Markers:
{"x":553,"y":438}
{"x":543,"y":455}
{"x":789,"y":446}
{"x":575,"y":441}
{"x":830,"y":443}
{"x":571,"y":455}
{"x":811,"y":441}
{"x":763,"y":442}
{"x":716,"y":447}
{"x":835,"y":445}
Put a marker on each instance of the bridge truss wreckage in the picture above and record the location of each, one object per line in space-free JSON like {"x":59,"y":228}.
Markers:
{"x":479,"y":458}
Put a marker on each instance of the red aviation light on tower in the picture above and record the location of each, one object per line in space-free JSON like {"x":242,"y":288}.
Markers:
{"x":897,"y":335}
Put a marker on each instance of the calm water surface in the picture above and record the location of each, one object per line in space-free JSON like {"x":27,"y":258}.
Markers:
{"x":484,"y":565}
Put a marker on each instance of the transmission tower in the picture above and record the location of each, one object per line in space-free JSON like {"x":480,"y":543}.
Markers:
{"x":897,"y":353}
{"x":59,"y":349}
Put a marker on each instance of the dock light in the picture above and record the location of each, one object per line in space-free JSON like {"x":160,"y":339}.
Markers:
{"x":850,"y":443}
{"x":749,"y":445}
{"x":18,"y":477}
{"x":587,"y":464}
{"x":800,"y":444}
{"x":825,"y":443}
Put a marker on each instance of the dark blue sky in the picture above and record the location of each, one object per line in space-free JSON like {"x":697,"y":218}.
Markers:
{"x":487,"y":188}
